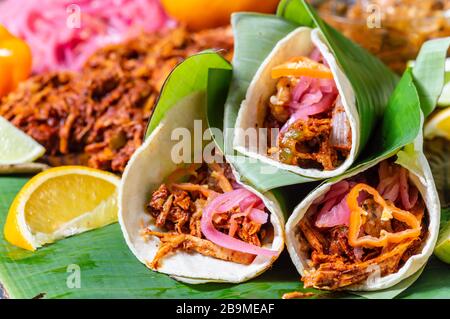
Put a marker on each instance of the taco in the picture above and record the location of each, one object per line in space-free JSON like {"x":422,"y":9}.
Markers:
{"x":307,"y":105}
{"x":193,"y":221}
{"x":369,"y":230}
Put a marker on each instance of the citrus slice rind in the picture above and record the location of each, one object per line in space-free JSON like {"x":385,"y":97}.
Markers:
{"x":16,"y":147}
{"x":61,"y":202}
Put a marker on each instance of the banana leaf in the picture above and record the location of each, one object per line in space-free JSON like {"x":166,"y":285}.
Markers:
{"x":372,"y":81}
{"x":428,"y":75}
{"x":180,"y":83}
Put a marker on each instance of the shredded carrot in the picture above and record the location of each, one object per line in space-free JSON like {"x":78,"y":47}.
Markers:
{"x":389,"y":211}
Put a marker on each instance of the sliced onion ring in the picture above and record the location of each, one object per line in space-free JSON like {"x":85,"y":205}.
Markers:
{"x":221,"y":239}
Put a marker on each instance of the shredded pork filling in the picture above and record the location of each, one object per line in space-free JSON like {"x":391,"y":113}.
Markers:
{"x":177,"y":209}
{"x":334,"y":263}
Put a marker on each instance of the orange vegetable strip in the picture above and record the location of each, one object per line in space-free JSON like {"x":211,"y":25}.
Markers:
{"x":302,"y":66}
{"x":389,"y":210}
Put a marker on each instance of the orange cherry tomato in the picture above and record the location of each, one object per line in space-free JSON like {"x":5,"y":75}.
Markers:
{"x":15,"y":61}
{"x":302,"y":66}
{"x":4,"y":33}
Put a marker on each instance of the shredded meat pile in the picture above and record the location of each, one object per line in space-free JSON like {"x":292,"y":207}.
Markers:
{"x":177,"y":208}
{"x":335,"y":264}
{"x":97,"y":117}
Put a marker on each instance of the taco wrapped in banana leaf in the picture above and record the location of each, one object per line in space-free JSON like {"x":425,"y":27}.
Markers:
{"x":193,"y":221}
{"x":368,"y":230}
{"x":306,"y":105}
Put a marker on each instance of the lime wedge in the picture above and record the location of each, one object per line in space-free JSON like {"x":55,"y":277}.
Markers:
{"x":442,"y":249}
{"x":16,"y":147}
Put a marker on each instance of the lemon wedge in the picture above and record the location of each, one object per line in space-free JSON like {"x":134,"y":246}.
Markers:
{"x":61,"y":202}
{"x":16,"y":147}
{"x":438,"y":125}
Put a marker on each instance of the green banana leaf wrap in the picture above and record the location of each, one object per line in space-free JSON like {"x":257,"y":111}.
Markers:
{"x":364,"y":83}
{"x":399,"y":135}
{"x":153,"y":162}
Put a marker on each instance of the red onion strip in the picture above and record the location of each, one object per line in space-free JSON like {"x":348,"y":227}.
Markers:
{"x":221,"y":239}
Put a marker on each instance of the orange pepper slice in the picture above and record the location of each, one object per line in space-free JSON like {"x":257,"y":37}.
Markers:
{"x":15,"y":61}
{"x":389,"y":211}
{"x":302,"y":66}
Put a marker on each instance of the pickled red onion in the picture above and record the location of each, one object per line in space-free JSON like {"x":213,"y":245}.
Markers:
{"x":253,"y":201}
{"x":392,"y":192}
{"x":407,"y":200}
{"x":338,"y":215}
{"x":306,"y":110}
{"x":316,"y":55}
{"x":60,"y":38}
{"x":311,"y":96}
{"x":258,"y":216}
{"x":328,"y":86}
{"x":394,"y":184}
{"x":231,"y":202}
{"x":301,"y":87}
{"x":334,"y":210}
{"x":336,"y":190}
{"x":323,"y":105}
{"x":221,"y":239}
